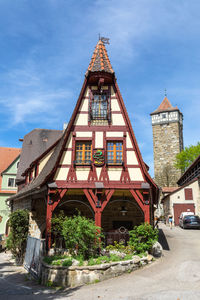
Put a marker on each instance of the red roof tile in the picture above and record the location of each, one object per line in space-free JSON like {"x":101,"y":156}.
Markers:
{"x":165,"y":106}
{"x":7,"y":156}
{"x":169,"y":189}
{"x":100,"y":60}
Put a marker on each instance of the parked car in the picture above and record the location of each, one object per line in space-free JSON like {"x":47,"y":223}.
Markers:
{"x":184,"y":214}
{"x":190,"y":221}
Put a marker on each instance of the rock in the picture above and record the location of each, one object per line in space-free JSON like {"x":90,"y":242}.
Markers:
{"x":120,"y":254}
{"x":157,"y":250}
{"x":149,"y":257}
{"x":75,"y":262}
{"x":51,"y":252}
{"x":136,"y":259}
{"x":105,"y":252}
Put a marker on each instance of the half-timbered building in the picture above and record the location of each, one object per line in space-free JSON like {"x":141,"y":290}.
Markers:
{"x":96,"y":166}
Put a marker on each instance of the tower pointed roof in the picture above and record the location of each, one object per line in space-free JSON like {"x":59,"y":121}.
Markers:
{"x":165,"y":106}
{"x":100,"y":61}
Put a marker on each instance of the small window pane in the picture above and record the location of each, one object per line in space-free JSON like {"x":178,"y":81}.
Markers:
{"x":11,"y":182}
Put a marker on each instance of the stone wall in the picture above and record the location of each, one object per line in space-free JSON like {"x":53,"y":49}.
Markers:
{"x":167,"y":142}
{"x":37,"y":215}
{"x":77,"y":276}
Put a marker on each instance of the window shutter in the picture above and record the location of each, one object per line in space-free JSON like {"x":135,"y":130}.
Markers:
{"x":188,"y":194}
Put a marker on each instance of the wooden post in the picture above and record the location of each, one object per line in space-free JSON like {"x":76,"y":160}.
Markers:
{"x":147,"y":213}
{"x":48,"y":223}
{"x":51,"y":205}
{"x":98,"y":217}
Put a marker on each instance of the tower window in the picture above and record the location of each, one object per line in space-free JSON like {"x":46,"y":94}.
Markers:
{"x":99,"y":107}
{"x":83,"y":153}
{"x":114,"y":152}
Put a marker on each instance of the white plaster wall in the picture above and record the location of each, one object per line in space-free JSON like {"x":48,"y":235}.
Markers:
{"x":99,"y":139}
{"x":84,"y":105}
{"x":66,"y":158}
{"x":135,"y":174}
{"x":112,"y":92}
{"x":179,"y":197}
{"x":114,"y":174}
{"x":98,"y":171}
{"x":117,"y":119}
{"x":84,"y":134}
{"x":61,"y":174}
{"x":131,"y":158}
{"x":114,"y":105}
{"x":128,"y":141}
{"x":81,"y":119}
{"x":44,"y":160}
{"x":86,"y":94}
{"x":82,"y":173}
{"x":114,"y":134}
{"x":69,"y":142}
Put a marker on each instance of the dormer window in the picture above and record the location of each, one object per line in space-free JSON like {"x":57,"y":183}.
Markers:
{"x":11,"y":182}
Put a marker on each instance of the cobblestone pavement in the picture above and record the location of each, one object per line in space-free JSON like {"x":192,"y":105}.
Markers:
{"x":175,"y":276}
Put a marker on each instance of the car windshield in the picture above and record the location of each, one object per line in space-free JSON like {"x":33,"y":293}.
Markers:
{"x":192,"y":218}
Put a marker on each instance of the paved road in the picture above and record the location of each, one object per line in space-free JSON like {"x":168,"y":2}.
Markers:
{"x":175,"y":276}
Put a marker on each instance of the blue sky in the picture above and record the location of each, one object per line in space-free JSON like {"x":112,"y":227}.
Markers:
{"x":46,"y":46}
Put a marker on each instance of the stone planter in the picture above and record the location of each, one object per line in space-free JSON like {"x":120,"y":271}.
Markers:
{"x":76,"y":276}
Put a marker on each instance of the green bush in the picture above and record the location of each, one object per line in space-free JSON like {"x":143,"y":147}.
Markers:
{"x":143,"y":237}
{"x":19,"y":228}
{"x":57,"y":227}
{"x":50,"y":259}
{"x":82,"y":236}
{"x":129,"y":249}
{"x":67,"y":262}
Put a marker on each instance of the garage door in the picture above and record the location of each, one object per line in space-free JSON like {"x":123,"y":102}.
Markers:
{"x":179,"y":208}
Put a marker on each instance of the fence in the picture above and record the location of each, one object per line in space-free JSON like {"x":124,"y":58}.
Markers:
{"x":35,"y":250}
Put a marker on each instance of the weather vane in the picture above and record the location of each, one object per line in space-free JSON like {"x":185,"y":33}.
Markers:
{"x":165,"y":92}
{"x":104,"y":39}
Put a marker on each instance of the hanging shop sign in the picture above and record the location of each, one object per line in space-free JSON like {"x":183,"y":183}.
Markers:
{"x":99,"y":157}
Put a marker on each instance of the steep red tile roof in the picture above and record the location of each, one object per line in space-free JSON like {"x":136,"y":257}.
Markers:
{"x":165,"y":106}
{"x":169,"y":189}
{"x":100,"y":60}
{"x":7,"y":156}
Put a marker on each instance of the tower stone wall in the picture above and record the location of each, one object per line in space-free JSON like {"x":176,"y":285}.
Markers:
{"x":167,"y":143}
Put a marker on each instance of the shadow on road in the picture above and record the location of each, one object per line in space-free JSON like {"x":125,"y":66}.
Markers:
{"x":162,"y":240}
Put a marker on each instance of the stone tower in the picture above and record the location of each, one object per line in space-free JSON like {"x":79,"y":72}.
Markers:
{"x":167,"y":124}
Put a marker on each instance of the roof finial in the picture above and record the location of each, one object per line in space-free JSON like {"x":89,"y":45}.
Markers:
{"x":165,"y":92}
{"x":104,"y":39}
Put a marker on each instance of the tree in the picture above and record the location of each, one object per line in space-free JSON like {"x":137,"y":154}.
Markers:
{"x":187,"y":156}
{"x":19,"y":228}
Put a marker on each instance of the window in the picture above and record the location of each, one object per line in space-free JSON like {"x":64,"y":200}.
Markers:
{"x":99,"y":107}
{"x":11,"y":182}
{"x":114,"y":152}
{"x":188,"y":194}
{"x":83,"y":152}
